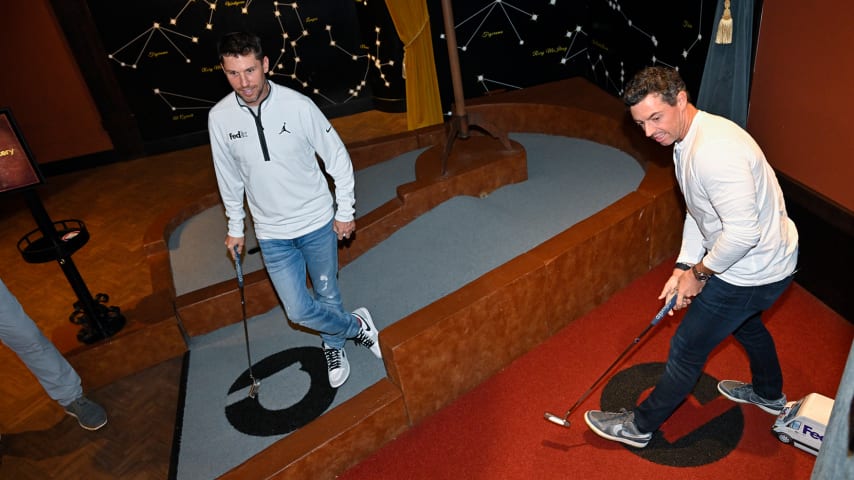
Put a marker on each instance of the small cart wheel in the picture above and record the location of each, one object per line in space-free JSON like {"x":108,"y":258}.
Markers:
{"x":784,"y":438}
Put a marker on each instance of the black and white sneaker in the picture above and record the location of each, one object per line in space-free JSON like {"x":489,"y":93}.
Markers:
{"x":337,"y":365}
{"x":368,"y":336}
{"x":743,"y":393}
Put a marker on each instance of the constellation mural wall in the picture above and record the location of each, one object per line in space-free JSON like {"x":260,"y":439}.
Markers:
{"x":346,"y":55}
{"x":164,"y":54}
{"x":513,"y":44}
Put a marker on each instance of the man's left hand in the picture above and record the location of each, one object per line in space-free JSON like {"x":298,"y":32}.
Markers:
{"x":344,"y":230}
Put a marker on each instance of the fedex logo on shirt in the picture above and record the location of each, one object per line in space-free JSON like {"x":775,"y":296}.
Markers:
{"x":238,"y":135}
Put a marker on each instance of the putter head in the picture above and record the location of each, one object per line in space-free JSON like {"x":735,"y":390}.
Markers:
{"x":557,"y":420}
{"x":253,"y":389}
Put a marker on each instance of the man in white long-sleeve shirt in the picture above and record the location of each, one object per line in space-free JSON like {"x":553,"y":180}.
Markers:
{"x":739,"y":252}
{"x":266,"y":140}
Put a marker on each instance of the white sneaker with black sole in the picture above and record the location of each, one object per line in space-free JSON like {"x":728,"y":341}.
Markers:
{"x":368,"y":336}
{"x":337,"y":365}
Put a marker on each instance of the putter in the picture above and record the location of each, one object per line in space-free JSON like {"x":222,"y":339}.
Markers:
{"x":562,"y":421}
{"x":256,"y":384}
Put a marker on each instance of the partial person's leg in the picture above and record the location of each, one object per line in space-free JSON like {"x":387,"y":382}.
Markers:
{"x":320,"y":250}
{"x":712,"y":316}
{"x":286,"y":264}
{"x":767,"y":376}
{"x":22,"y":335}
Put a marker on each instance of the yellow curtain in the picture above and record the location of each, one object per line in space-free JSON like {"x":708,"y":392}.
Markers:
{"x":423,"y":104}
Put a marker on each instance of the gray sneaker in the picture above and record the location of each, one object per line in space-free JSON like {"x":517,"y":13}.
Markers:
{"x":743,"y":393}
{"x":617,"y":426}
{"x":89,"y":414}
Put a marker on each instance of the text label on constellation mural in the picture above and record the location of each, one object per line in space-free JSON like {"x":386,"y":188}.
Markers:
{"x":549,"y":51}
{"x":599,"y":45}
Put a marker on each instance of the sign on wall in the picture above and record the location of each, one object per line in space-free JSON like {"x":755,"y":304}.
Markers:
{"x":18,"y":168}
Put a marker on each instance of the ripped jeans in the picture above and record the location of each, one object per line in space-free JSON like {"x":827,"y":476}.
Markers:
{"x":320,"y":308}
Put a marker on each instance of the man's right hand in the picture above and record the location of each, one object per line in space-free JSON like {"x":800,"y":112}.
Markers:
{"x":231,"y":242}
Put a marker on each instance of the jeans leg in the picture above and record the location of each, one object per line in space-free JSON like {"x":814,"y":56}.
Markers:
{"x":321,"y":258}
{"x":287,"y":261}
{"x":718,"y":311}
{"x":320,"y":250}
{"x":22,"y":335}
{"x":695,"y":338}
{"x":767,"y":376}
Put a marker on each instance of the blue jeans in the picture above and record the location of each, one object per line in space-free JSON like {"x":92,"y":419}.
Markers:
{"x":319,"y":309}
{"x":719,"y":310}
{"x":18,"y":332}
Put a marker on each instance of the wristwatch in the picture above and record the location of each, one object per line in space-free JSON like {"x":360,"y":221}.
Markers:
{"x":682,"y":266}
{"x":700,"y":275}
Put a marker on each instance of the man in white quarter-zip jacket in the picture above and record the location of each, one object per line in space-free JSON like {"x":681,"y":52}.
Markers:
{"x":739,"y":252}
{"x":266,"y":140}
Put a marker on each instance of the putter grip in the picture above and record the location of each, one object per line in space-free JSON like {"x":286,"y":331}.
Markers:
{"x":238,"y":266}
{"x":665,"y":309}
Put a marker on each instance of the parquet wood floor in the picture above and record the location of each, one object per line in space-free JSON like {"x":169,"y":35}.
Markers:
{"x":117,"y":202}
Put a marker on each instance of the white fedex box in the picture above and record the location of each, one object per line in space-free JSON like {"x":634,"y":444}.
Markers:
{"x":802,"y":423}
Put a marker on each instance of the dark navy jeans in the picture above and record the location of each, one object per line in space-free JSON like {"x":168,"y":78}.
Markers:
{"x":719,"y":310}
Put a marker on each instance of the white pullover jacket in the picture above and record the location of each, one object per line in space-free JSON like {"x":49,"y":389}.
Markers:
{"x":270,"y":156}
{"x":737,"y":221}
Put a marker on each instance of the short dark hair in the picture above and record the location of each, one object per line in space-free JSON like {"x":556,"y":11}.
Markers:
{"x":664,"y":81}
{"x":238,"y":44}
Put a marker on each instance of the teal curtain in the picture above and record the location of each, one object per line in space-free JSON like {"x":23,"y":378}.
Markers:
{"x":725,"y":85}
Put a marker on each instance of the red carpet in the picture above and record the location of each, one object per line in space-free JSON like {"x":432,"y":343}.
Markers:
{"x":497,"y":431}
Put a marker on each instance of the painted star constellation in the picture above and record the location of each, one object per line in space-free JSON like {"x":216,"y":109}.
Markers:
{"x":166,"y":96}
{"x":651,"y":37}
{"x":373,"y":60}
{"x":485,"y":13}
{"x":615,"y":5}
{"x":575,"y":42}
{"x":145,"y":37}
